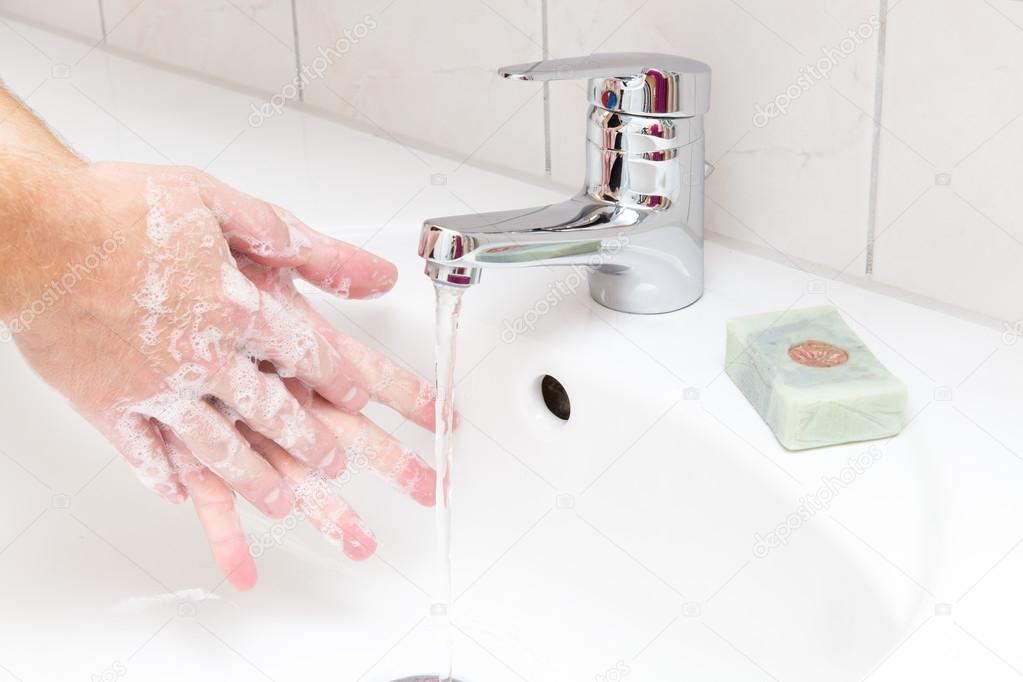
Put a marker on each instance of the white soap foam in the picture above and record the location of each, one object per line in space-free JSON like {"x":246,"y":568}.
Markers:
{"x":190,"y":595}
{"x":238,"y":289}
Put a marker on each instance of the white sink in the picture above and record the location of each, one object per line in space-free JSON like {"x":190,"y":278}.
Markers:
{"x":623,"y":539}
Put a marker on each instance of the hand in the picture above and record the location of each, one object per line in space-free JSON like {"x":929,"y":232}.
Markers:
{"x":162,"y":290}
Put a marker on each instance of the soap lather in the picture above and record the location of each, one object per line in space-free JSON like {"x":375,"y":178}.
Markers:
{"x":812,"y":379}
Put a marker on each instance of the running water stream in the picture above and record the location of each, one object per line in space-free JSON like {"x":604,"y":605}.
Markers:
{"x":449,"y":307}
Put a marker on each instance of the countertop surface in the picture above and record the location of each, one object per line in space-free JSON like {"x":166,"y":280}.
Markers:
{"x":570,"y":563}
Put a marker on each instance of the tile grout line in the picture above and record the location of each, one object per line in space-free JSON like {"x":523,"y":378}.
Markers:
{"x":546,"y":54}
{"x":299,"y":81}
{"x":875,"y":155}
{"x":102,"y":22}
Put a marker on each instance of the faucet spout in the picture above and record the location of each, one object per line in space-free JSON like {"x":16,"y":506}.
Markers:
{"x":573,"y":232}
{"x":640,"y":259}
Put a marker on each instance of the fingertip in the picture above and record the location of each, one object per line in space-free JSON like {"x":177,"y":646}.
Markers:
{"x":427,"y":494}
{"x":426,"y":416}
{"x":383,"y":279}
{"x":245,"y":582}
{"x":418,"y":480}
{"x":241,"y":572}
{"x":359,"y":542}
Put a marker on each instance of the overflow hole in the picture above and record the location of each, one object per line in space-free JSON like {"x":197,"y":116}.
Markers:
{"x":555,"y":397}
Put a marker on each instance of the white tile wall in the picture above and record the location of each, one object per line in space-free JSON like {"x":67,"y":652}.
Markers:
{"x":248,"y":42}
{"x":79,"y":18}
{"x":426,"y":73}
{"x":797,"y":185}
{"x":949,"y":198}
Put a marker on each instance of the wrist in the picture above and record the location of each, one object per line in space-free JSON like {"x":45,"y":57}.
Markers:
{"x":42,"y":215}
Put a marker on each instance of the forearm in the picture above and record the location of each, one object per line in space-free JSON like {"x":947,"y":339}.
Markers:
{"x":23,"y":132}
{"x":35,"y":189}
{"x":21,"y":178}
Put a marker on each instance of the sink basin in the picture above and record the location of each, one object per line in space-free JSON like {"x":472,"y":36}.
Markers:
{"x":625,"y":538}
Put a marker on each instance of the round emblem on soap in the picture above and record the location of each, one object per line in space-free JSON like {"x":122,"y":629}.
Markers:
{"x":813,"y":353}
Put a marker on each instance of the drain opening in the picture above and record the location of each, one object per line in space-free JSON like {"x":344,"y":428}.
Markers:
{"x":555,"y":397}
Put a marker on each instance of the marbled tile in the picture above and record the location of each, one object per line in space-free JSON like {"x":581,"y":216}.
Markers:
{"x":427,"y":74}
{"x":79,"y":18}
{"x":247,"y":42}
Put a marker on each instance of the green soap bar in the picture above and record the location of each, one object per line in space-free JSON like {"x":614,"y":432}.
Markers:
{"x":812,"y":379}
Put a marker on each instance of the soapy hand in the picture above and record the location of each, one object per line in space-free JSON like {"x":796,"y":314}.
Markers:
{"x":171,"y":322}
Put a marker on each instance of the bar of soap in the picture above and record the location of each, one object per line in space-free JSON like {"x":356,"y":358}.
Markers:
{"x":812,"y":379}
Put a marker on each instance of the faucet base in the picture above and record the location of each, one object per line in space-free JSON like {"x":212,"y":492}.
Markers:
{"x":608,"y":298}
{"x":596,"y":296}
{"x":649,"y":281}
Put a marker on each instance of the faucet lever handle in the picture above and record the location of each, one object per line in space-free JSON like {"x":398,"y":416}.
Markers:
{"x":636,"y":83}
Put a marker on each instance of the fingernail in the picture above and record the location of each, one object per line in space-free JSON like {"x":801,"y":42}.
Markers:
{"x":425,"y":492}
{"x":333,"y":464}
{"x":418,"y":480}
{"x":359,"y":541}
{"x":328,"y":460}
{"x":278,"y":502}
{"x":355,"y":398}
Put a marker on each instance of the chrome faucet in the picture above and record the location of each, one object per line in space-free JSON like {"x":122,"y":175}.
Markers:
{"x":637,"y":223}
